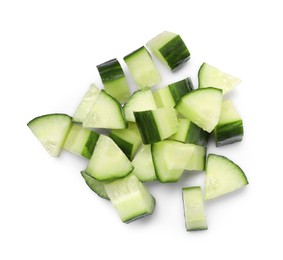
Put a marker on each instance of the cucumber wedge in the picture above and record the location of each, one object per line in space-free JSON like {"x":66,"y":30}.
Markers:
{"x":51,"y":130}
{"x":106,"y":112}
{"x":108,"y":162}
{"x":142,"y":68}
{"x":222,"y":176}
{"x":95,"y":185}
{"x":202,"y":107}
{"x":197,"y":160}
{"x":80,"y":141}
{"x":114,"y":80}
{"x":143,"y":164}
{"x":170,"y":49}
{"x":230,"y":126}
{"x":210,"y":76}
{"x":86,"y":104}
{"x":194,"y":209}
{"x":130,"y":198}
{"x":156,"y":125}
{"x":141,"y":100}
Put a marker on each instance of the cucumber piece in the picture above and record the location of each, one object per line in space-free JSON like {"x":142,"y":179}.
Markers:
{"x":156,"y":125}
{"x":129,"y":139}
{"x":170,"y":95}
{"x":197,"y":160}
{"x":80,"y":141}
{"x":142,"y":68}
{"x":202,"y":107}
{"x":222,"y":176}
{"x":143,"y":164}
{"x":230,"y":126}
{"x":86,"y":104}
{"x":194,"y":209}
{"x":108,"y":162}
{"x":114,"y":80}
{"x":209,"y":76}
{"x":51,"y":130}
{"x":170,"y":49}
{"x":170,"y":158}
{"x":95,"y":185}
{"x":188,"y":132}
{"x":106,"y":112}
{"x":141,"y":100}
{"x":130,"y":198}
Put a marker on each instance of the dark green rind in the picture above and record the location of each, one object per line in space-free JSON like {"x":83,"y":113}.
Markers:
{"x":110,"y":71}
{"x":125,"y":146}
{"x":197,"y":136}
{"x":90,"y":144}
{"x":147,"y":127}
{"x":131,"y":219}
{"x":175,"y":52}
{"x":180,"y":88}
{"x":47,"y":115}
{"x":199,"y":76}
{"x":135,"y":52}
{"x":95,"y":185}
{"x":228,"y":133}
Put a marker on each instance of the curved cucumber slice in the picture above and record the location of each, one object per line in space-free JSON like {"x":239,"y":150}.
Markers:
{"x":51,"y":130}
{"x":222,"y":176}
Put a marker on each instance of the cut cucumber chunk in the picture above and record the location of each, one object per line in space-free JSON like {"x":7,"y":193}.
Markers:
{"x":188,"y":132}
{"x":202,"y":107}
{"x":108,"y":161}
{"x":194,"y":209}
{"x":170,"y":158}
{"x":51,"y":130}
{"x":222,"y":176}
{"x":106,"y":112}
{"x":209,"y":76}
{"x":142,"y":68}
{"x":170,"y":49}
{"x":197,"y":160}
{"x":230,"y":126}
{"x":80,"y":141}
{"x":129,"y":139}
{"x":170,"y":95}
{"x":130,"y":198}
{"x":114,"y":80}
{"x":143,"y":164}
{"x":156,"y":125}
{"x":86,"y":104}
{"x":95,"y":185}
{"x":141,"y":100}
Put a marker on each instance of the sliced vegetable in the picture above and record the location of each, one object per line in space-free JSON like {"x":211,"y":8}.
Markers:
{"x":130,"y":198}
{"x":222,"y":176}
{"x":202,"y":107}
{"x":198,"y":158}
{"x":194,"y":209}
{"x":170,"y":49}
{"x":230,"y":126}
{"x":108,"y":162}
{"x":143,"y":164}
{"x":129,"y":139}
{"x":210,"y":76}
{"x":156,"y":125}
{"x":141,"y":100}
{"x":114,"y":80}
{"x":142,"y":68}
{"x":51,"y":130}
{"x":106,"y":112}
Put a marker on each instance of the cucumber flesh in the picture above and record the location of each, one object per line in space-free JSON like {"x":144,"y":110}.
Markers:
{"x":130,"y":198}
{"x":194,"y":209}
{"x":222,"y":176}
{"x":197,"y":160}
{"x":51,"y":130}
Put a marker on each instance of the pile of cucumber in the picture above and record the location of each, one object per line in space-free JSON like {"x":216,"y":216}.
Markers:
{"x":152,"y":135}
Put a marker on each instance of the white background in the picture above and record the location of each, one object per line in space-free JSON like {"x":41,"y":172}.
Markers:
{"x":48,"y":56}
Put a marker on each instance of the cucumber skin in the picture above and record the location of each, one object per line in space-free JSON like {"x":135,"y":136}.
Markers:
{"x":90,"y":144}
{"x":125,"y":146}
{"x":110,"y":70}
{"x":228,"y":133}
{"x":197,"y":135}
{"x":180,"y":88}
{"x":175,"y":53}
